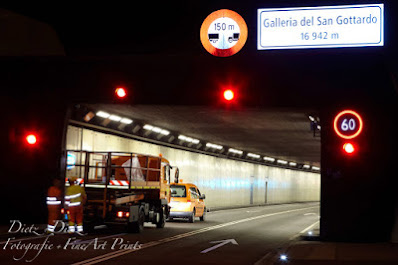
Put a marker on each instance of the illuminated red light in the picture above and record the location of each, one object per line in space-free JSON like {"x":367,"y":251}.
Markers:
{"x":120,"y":92}
{"x":120,"y":214}
{"x":349,"y":148}
{"x":228,"y":95}
{"x":31,"y":139}
{"x":127,"y":214}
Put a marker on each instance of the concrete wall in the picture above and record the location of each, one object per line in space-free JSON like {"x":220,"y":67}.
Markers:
{"x":225,"y":182}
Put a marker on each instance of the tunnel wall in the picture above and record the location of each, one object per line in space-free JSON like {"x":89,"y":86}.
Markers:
{"x":226,"y":183}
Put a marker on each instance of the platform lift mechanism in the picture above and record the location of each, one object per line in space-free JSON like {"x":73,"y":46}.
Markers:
{"x":122,"y":188}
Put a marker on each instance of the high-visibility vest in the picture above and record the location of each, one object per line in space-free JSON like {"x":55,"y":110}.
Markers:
{"x":74,"y":195}
{"x":54,"y":196}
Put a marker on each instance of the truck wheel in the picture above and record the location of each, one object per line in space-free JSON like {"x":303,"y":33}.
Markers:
{"x":191,"y":218}
{"x":162,"y":220}
{"x":138,"y":226}
{"x":203,"y":217}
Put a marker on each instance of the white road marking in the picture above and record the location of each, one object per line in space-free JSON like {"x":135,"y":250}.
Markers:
{"x":310,"y":214}
{"x":221,"y":243}
{"x":118,"y":253}
{"x":303,"y":231}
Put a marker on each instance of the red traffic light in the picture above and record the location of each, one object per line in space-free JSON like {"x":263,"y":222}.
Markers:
{"x":31,"y":139}
{"x":229,"y":95}
{"x":120,"y":92}
{"x":349,"y":148}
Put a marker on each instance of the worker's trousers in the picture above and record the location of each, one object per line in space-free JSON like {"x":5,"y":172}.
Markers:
{"x":53,"y":216}
{"x":76,"y":217}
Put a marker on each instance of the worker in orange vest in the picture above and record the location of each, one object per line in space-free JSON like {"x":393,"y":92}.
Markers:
{"x":75,"y":197}
{"x":54,"y":196}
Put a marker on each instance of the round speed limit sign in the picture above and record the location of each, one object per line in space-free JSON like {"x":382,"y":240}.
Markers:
{"x":348,"y":124}
{"x":223,"y":33}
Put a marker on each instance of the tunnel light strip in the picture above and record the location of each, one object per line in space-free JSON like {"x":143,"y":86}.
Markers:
{"x":215,"y":146}
{"x":306,"y":166}
{"x":269,"y":159}
{"x":253,"y":155}
{"x":115,"y":118}
{"x":292,"y":164}
{"x":126,"y":121}
{"x":165,"y":132}
{"x":235,"y":151}
{"x":112,"y":117}
{"x":283,"y":162}
{"x":103,"y":114}
{"x":156,"y":129}
{"x":316,"y":168}
{"x":188,"y":139}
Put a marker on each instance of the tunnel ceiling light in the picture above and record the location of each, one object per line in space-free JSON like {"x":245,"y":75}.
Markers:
{"x":188,"y":139}
{"x":115,"y":118}
{"x":306,"y":166}
{"x":235,"y":151}
{"x":148,"y":127}
{"x":283,"y":162}
{"x":156,"y":129}
{"x":165,"y":132}
{"x":292,"y":164}
{"x":215,"y":146}
{"x":311,"y":118}
{"x":126,"y":121}
{"x":269,"y":159}
{"x":316,"y":168}
{"x":253,"y":155}
{"x":283,"y":257}
{"x":103,"y":114}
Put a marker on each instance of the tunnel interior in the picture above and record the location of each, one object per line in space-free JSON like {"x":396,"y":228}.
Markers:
{"x":236,"y":157}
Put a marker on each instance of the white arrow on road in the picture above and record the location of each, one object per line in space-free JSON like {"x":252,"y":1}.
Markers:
{"x":221,"y":243}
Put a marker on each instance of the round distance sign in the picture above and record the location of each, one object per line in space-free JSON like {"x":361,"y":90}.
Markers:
{"x":348,"y":124}
{"x":223,"y":33}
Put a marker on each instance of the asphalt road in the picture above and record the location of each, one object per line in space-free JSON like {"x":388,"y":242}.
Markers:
{"x":236,"y":236}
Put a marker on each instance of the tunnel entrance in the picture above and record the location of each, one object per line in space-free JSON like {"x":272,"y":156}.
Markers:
{"x":236,"y":157}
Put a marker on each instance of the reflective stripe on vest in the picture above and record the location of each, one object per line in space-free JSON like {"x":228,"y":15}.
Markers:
{"x":53,"y":201}
{"x":71,"y":204}
{"x":74,"y":196}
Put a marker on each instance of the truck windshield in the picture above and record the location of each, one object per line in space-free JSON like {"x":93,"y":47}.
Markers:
{"x":178,"y":191}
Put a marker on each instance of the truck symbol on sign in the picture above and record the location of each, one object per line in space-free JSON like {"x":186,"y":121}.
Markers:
{"x":213,"y":37}
{"x":235,"y":37}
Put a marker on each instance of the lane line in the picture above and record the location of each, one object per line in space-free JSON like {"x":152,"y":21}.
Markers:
{"x":267,"y":259}
{"x":118,"y":253}
{"x":303,"y":231}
